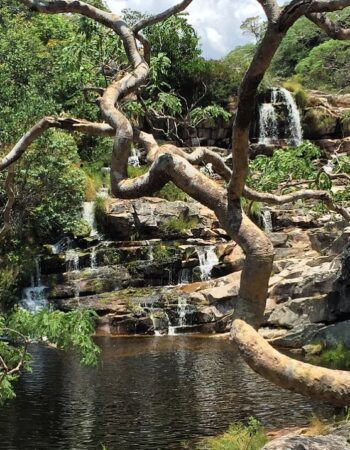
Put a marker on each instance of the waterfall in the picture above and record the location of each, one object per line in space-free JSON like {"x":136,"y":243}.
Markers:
{"x":294,"y":123}
{"x":93,"y":258}
{"x":182,"y":310}
{"x":207,"y":260}
{"x":62,"y":245}
{"x":266,"y":220}
{"x":150,"y":254}
{"x":134,"y":159}
{"x":89,"y":217}
{"x":34,"y":297}
{"x":72,"y":266}
{"x":268,"y":124}
{"x":185,"y":276}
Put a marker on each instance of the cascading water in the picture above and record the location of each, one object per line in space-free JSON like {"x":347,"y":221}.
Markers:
{"x":266,"y":219}
{"x":182,"y":311}
{"x":268,"y":122}
{"x":294,"y":123}
{"x":134,"y":159}
{"x":89,"y":217}
{"x":93,"y":258}
{"x":207,"y":260}
{"x":34,"y":297}
{"x":62,"y":245}
{"x":72,"y":266}
{"x":185,"y":276}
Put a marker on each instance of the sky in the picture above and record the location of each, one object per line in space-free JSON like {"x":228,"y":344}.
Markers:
{"x":217,"y":22}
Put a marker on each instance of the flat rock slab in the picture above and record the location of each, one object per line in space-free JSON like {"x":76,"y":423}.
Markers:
{"x":295,"y":442}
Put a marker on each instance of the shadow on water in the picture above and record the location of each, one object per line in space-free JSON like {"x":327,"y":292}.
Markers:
{"x":149,"y":393}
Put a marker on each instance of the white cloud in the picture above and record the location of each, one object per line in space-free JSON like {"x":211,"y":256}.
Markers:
{"x":217,"y":22}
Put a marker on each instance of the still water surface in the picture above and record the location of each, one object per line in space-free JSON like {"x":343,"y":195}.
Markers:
{"x":150,"y":393}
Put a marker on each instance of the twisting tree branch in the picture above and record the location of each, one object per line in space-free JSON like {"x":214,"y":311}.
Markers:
{"x":161,"y":16}
{"x":333,"y":29}
{"x":297,"y":8}
{"x":304,"y":194}
{"x":328,"y":385}
{"x":69,"y":124}
{"x":271,"y":8}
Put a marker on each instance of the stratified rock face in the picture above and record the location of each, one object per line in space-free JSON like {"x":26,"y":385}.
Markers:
{"x":154,"y":218}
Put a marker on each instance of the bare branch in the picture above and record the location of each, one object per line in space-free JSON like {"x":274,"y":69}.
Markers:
{"x":304,"y":194}
{"x":73,"y":6}
{"x":69,"y":124}
{"x":161,"y":16}
{"x":297,"y":8}
{"x":271,"y":8}
{"x":332,"y":386}
{"x":333,"y":29}
{"x":326,"y":5}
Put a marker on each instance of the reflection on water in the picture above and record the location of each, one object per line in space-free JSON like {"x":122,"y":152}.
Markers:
{"x":149,"y":394}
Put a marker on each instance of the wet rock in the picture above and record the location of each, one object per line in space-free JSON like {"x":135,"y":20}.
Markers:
{"x":124,"y":325}
{"x":297,"y":336}
{"x":334,"y":334}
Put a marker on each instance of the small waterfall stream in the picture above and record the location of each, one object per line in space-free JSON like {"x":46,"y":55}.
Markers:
{"x":207,"y":260}
{"x":72,"y":266}
{"x":34,"y":297}
{"x":134,"y":158}
{"x":268,"y":122}
{"x":89,"y":217}
{"x":182,"y":310}
{"x":266,"y":219}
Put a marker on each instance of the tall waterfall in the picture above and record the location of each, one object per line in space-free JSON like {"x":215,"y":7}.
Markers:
{"x":34,"y":297}
{"x":268,"y":119}
{"x":294,"y":123}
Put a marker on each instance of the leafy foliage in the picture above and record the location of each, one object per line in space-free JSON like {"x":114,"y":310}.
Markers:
{"x":68,"y":331}
{"x":328,"y":64}
{"x":178,"y":224}
{"x":285,"y":165}
{"x":337,"y":357}
{"x":50,"y":188}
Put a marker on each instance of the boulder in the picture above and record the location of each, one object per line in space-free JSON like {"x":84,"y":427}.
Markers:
{"x":304,"y":280}
{"x":298,"y":311}
{"x":124,"y":325}
{"x":334,"y":334}
{"x":297,"y":337}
